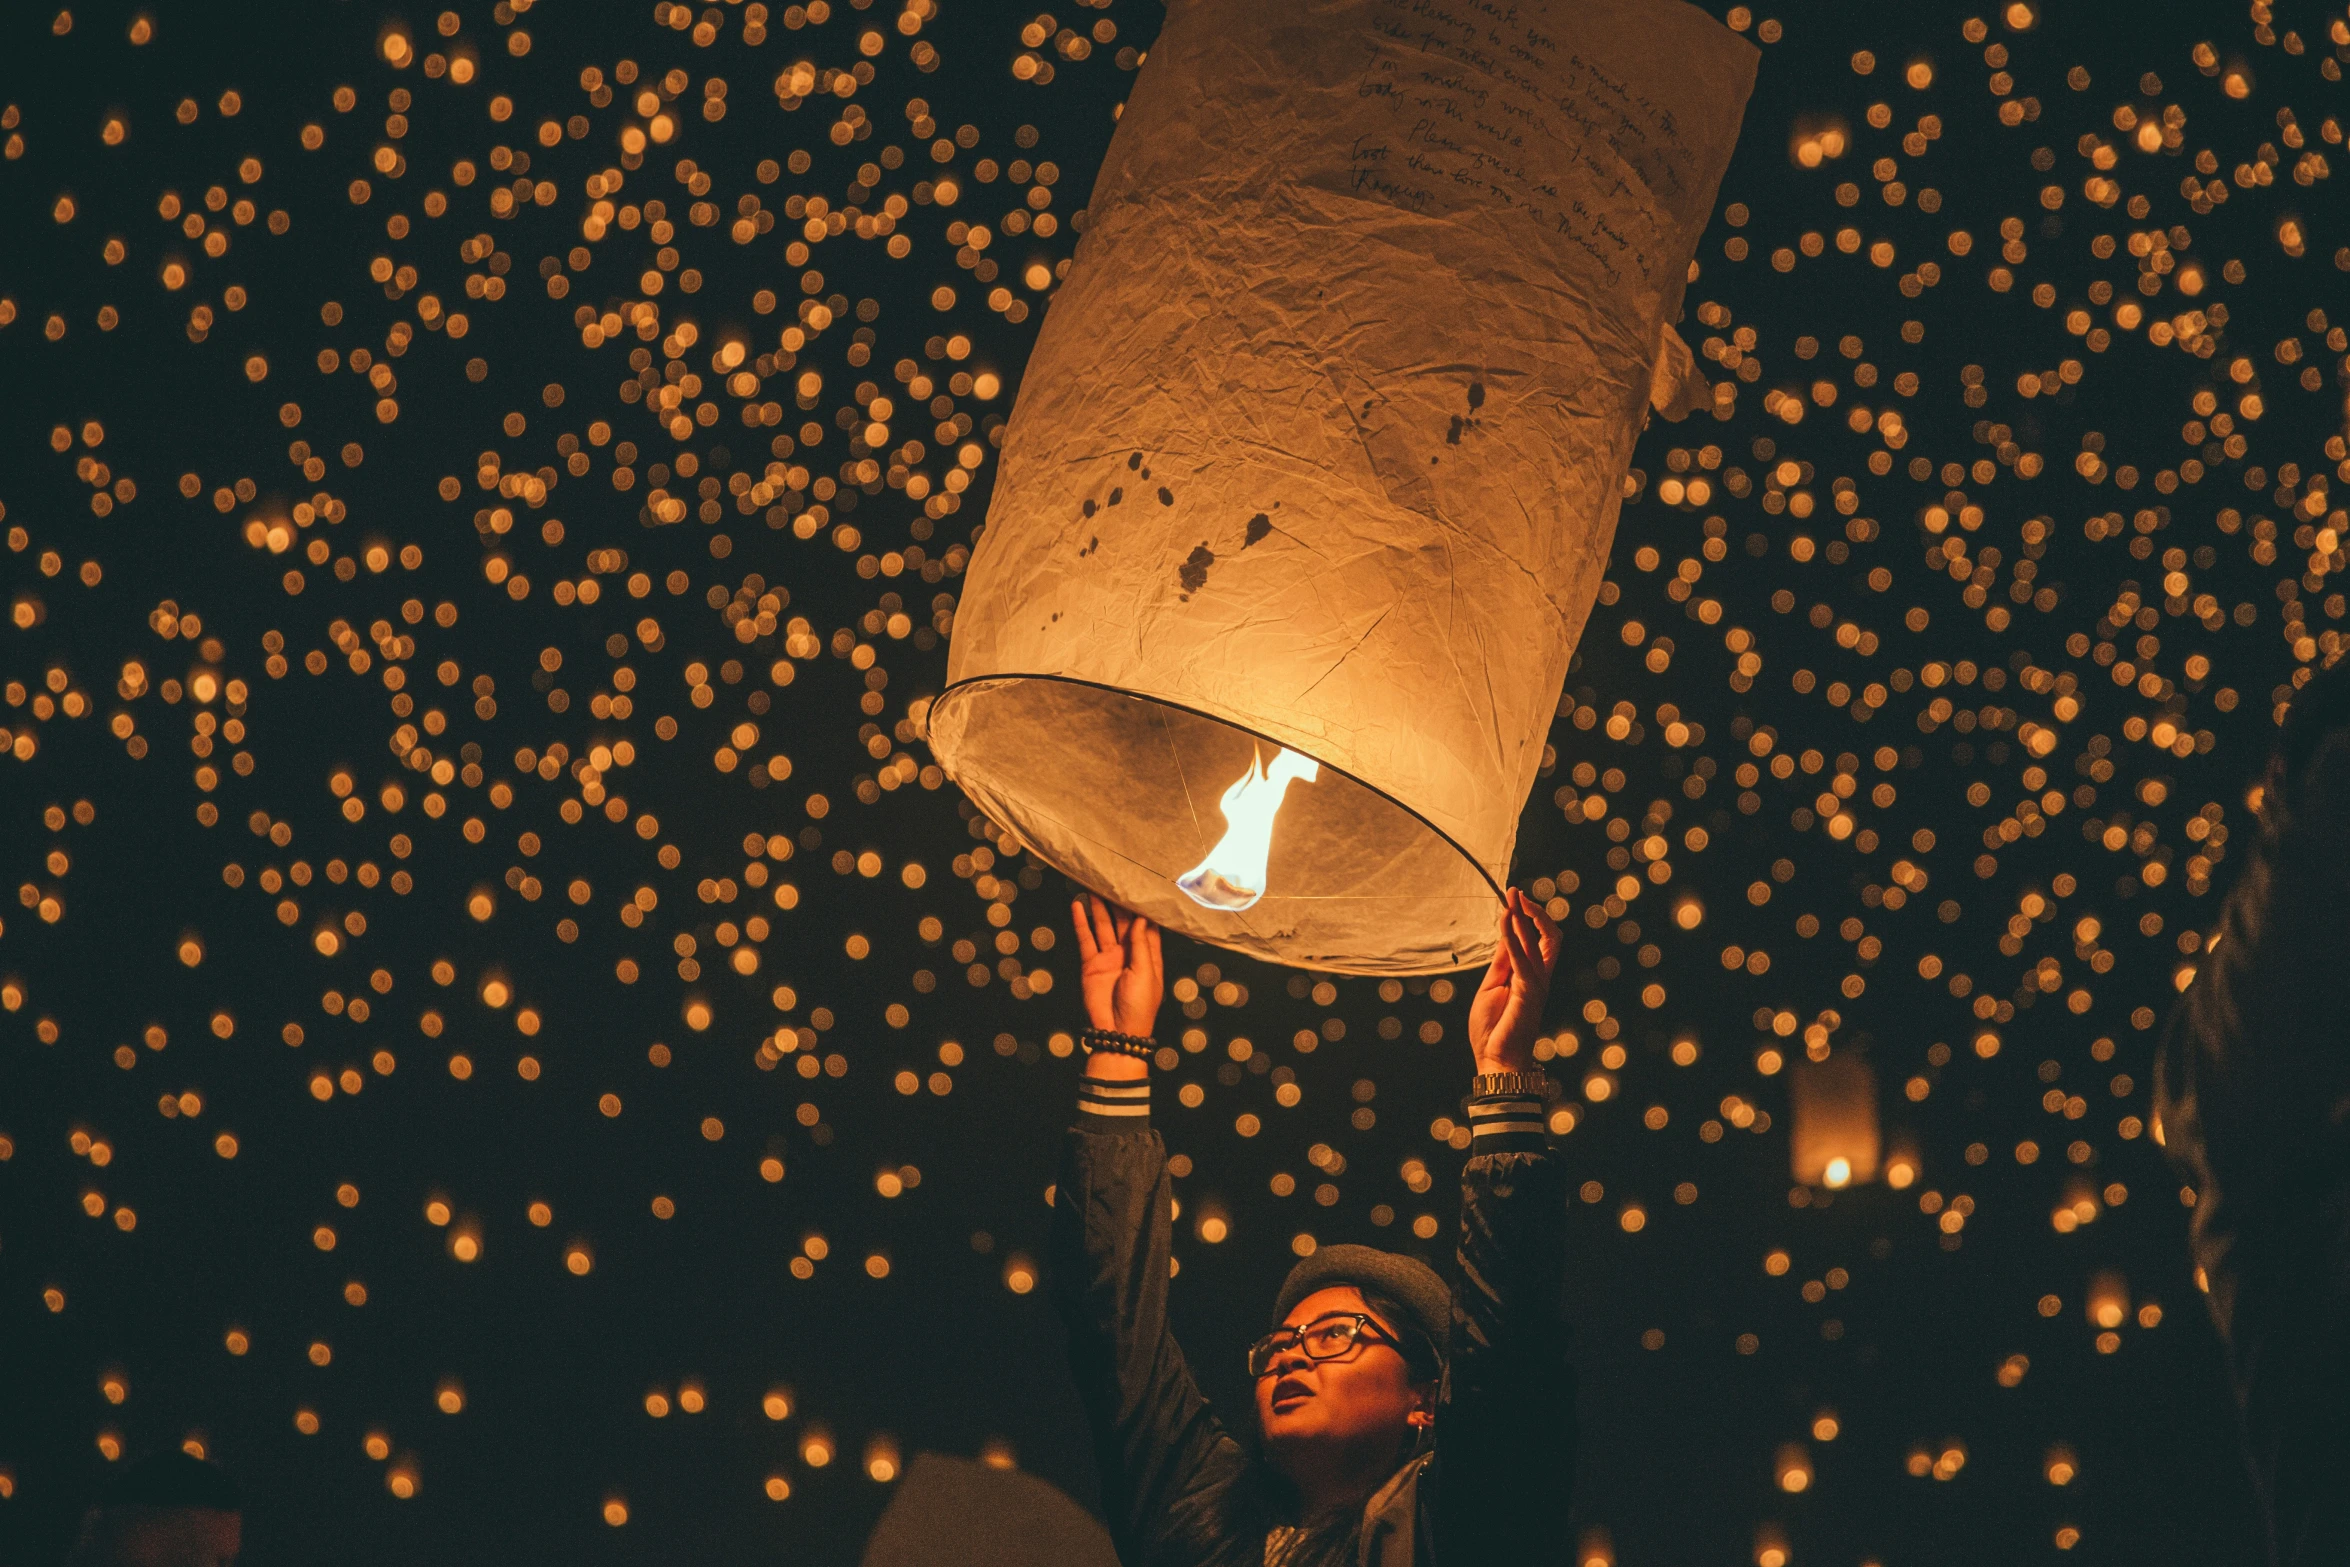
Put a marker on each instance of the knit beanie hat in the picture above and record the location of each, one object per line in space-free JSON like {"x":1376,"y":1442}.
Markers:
{"x":1407,"y":1281}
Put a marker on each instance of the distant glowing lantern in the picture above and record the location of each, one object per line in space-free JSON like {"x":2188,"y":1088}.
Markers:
{"x":2108,"y":1300}
{"x":1315,"y":467}
{"x":1836,"y":1141}
{"x":881,"y":1459}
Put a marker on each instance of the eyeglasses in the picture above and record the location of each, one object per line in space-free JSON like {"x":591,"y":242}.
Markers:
{"x":1325,"y":1338}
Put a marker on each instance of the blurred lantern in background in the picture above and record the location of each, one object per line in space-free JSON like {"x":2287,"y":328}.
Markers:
{"x":2108,"y":1301}
{"x":2060,"y":1464}
{"x":1836,"y":1141}
{"x":1319,"y":456}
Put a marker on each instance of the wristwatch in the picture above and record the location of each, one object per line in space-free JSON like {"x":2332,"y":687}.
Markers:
{"x":1525,"y":1084}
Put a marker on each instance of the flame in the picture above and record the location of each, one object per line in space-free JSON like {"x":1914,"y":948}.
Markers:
{"x":1232,"y":877}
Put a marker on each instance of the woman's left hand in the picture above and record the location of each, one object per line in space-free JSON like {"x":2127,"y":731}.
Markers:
{"x":1507,"y":1011}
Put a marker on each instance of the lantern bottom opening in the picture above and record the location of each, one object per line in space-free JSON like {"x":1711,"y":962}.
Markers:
{"x":1121,"y":792}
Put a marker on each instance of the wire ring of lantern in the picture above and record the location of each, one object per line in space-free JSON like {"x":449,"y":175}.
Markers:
{"x":998,"y":677}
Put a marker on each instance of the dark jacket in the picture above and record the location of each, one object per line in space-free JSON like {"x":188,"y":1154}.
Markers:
{"x":2252,"y":1101}
{"x":1181,"y":1491}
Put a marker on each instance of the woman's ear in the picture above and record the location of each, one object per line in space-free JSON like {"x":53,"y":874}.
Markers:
{"x":1423,"y":1411}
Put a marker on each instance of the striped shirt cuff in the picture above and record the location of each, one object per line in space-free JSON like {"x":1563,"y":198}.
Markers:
{"x":1506,"y":1123}
{"x":1104,"y":1105}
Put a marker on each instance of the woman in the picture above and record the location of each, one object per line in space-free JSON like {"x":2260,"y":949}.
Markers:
{"x":1397,"y":1424}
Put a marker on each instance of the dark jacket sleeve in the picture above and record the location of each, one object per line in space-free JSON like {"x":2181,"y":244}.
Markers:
{"x":2252,"y":1101}
{"x":1166,"y":1463}
{"x":1505,"y":1425}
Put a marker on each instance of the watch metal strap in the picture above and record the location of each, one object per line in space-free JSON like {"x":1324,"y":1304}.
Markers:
{"x":1526,"y":1083}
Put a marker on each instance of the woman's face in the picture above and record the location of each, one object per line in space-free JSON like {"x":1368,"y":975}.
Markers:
{"x":1365,"y":1401}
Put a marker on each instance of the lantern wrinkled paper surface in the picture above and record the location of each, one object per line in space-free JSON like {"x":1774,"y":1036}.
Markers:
{"x":1322,"y":447}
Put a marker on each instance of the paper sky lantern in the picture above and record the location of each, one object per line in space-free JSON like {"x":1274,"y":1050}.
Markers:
{"x":1836,"y":1141}
{"x":1319,"y":455}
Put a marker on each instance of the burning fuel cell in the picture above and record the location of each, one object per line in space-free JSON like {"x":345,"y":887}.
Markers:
{"x":1232,"y":877}
{"x":1318,"y":459}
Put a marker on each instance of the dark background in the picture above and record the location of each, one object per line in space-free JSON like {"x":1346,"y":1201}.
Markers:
{"x":1678,"y":1442}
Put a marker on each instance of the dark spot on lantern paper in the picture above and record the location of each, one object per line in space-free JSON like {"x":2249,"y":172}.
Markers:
{"x":1460,"y":424}
{"x":1166,"y":496}
{"x":1116,"y":496}
{"x":1092,"y":506}
{"x":1194,"y":572}
{"x":1134,"y":461}
{"x":1258,"y":527}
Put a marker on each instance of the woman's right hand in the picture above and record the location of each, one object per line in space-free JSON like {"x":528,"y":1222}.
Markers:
{"x":1506,"y":1012}
{"x":1120,"y":976}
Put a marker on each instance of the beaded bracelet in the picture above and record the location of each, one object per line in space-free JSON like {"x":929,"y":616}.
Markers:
{"x":1140,"y":1045}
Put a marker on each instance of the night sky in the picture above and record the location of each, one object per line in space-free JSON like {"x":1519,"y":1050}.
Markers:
{"x":509,"y":1043}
